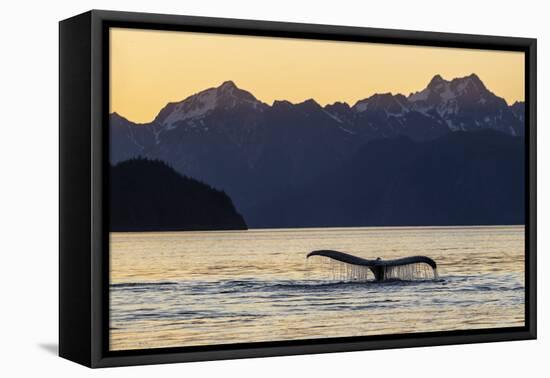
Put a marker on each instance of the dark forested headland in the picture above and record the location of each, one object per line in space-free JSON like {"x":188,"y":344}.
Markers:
{"x":148,"y":195}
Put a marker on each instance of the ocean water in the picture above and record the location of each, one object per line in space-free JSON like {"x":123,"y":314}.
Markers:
{"x":172,"y":289}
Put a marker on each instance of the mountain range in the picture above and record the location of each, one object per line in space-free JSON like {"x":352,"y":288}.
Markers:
{"x":462,"y":178}
{"x":259,"y":153}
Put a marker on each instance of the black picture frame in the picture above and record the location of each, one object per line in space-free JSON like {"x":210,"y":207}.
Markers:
{"x":83,"y":196}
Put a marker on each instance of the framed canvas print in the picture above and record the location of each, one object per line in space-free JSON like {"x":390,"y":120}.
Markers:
{"x":233,"y":188}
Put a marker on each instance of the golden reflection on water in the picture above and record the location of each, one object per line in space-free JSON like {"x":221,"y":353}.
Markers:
{"x":200,"y":288}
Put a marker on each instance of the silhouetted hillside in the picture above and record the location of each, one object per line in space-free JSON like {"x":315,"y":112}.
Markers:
{"x":462,"y":178}
{"x":148,"y":195}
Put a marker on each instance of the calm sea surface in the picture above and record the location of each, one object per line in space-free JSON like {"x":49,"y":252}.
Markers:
{"x":195,"y":288}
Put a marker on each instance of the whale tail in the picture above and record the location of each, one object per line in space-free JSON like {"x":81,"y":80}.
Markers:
{"x":356,"y":268}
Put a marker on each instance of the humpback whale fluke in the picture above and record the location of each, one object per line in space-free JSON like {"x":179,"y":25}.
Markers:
{"x":405,"y":267}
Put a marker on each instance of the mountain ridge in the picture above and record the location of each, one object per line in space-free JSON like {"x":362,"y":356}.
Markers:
{"x":462,"y":178}
{"x":227,"y":138}
{"x":459,"y":104}
{"x":231,"y":86}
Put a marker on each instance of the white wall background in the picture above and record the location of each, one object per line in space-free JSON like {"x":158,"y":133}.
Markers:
{"x":29,"y":186}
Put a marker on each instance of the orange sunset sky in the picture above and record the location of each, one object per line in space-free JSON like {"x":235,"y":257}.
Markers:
{"x":151,"y":68}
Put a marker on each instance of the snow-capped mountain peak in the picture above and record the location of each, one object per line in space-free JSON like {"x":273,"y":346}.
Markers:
{"x":437,"y":80}
{"x":226,"y":96}
{"x":440,"y":89}
{"x":228,"y":85}
{"x":437,"y":89}
{"x":465,"y":103}
{"x":392,"y":105}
